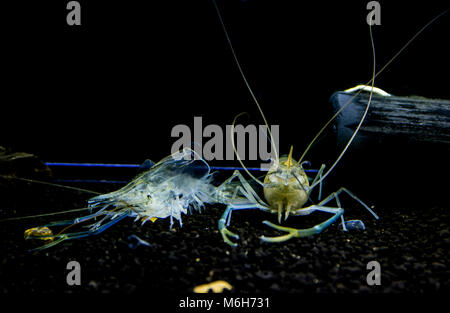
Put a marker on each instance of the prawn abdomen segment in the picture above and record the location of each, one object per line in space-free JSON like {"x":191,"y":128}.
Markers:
{"x":170,"y":198}
{"x":168,"y":189}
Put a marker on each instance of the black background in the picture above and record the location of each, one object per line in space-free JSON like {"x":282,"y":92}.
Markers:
{"x":112,"y":89}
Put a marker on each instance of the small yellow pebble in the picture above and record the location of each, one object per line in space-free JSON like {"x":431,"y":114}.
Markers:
{"x":44,"y":232}
{"x":216,"y":287}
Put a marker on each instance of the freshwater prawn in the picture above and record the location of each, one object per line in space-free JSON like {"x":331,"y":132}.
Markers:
{"x":180,"y":182}
{"x":286,"y":186}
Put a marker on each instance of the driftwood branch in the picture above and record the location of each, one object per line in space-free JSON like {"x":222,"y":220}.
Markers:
{"x":403,"y":119}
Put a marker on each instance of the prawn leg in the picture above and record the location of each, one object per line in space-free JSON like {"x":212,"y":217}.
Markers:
{"x":226,"y":219}
{"x":352,"y":224}
{"x":338,"y":212}
{"x":250,"y":200}
{"x":319,"y":178}
{"x":93,"y":230}
{"x":293,"y":232}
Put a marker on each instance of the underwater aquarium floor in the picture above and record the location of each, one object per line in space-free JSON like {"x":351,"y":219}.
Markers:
{"x":410,"y":243}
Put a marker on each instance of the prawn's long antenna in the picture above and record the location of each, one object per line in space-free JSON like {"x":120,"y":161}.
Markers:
{"x":362,"y":118}
{"x":41,"y":215}
{"x":237,"y":154}
{"x":50,"y":184}
{"x":248,"y":87}
{"x":371,"y":81}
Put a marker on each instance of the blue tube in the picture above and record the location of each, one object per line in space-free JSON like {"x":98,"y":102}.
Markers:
{"x":90,"y":164}
{"x":222,"y":168}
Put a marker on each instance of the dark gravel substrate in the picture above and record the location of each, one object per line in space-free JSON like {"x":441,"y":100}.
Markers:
{"x":410,"y":243}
